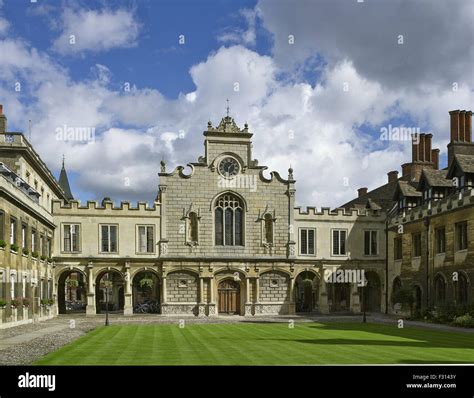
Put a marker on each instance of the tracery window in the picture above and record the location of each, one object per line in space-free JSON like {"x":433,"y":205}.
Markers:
{"x":229,"y":221}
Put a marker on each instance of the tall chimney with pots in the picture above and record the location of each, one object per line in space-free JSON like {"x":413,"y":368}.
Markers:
{"x":435,"y":158}
{"x":428,"y":138}
{"x":468,"y":126}
{"x":461,"y":134}
{"x":362,"y":191}
{"x":421,"y":147}
{"x":3,"y":121}
{"x":454,"y":125}
{"x":392,"y":176}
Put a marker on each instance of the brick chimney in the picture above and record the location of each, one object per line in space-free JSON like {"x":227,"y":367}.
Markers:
{"x":461,"y":134}
{"x":362,"y":191}
{"x":392,"y":176}
{"x":435,"y":158}
{"x":3,"y":121}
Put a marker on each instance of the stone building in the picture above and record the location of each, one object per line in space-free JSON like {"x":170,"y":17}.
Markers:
{"x":222,"y":237}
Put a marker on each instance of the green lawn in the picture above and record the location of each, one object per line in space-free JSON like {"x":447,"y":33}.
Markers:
{"x":260,"y":344}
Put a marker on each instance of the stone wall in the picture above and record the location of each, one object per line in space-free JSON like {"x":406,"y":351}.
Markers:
{"x":274,"y":286}
{"x":177,"y":292}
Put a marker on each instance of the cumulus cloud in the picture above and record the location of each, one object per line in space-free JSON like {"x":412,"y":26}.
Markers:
{"x":437,"y":37}
{"x":315,"y":127}
{"x":96,"y":30}
{"x":238,"y":35}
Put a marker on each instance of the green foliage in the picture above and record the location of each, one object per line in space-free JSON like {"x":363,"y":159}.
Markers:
{"x":14,"y":247}
{"x":3,"y":303}
{"x":2,"y":243}
{"x":405,"y":296}
{"x":43,"y":258}
{"x":465,"y":321}
{"x":35,"y":254}
{"x":25,"y":251}
{"x":15,"y":302}
{"x":25,"y":301}
{"x":146,"y":282}
{"x":50,"y":301}
{"x":44,"y":301}
{"x":72,"y":283}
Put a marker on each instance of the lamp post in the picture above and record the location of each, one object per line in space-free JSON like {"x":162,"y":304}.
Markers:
{"x":364,"y":315}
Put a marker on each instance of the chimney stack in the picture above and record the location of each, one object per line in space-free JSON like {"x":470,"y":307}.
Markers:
{"x":362,"y":191}
{"x":454,"y":125}
{"x":415,"y":142}
{"x":461,"y":134}
{"x":3,"y":121}
{"x":468,"y":126}
{"x":428,"y":151}
{"x":435,"y":158}
{"x":406,"y":169}
{"x":392,"y":176}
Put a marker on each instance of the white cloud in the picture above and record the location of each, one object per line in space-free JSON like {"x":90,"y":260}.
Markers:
{"x":96,"y":30}
{"x":239,"y":35}
{"x":313,"y":127}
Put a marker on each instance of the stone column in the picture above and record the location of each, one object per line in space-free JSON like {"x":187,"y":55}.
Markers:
{"x":163,"y":290}
{"x":248,"y":304}
{"x":291,"y":308}
{"x":202,"y":302}
{"x":128,"y":306}
{"x":90,"y":308}
{"x":323,"y":297}
{"x":291,"y":244}
{"x":211,"y":307}
{"x":257,"y":290}
{"x":355,"y":299}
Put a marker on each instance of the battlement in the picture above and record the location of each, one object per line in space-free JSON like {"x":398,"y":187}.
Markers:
{"x":60,"y":206}
{"x":312,"y":211}
{"x":450,"y":203}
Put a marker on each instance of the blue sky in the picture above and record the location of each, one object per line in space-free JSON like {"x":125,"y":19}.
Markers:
{"x":316,"y":101}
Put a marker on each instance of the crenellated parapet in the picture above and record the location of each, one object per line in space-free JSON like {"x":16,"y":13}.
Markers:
{"x":451,"y":203}
{"x":136,"y":209}
{"x":311,"y":212}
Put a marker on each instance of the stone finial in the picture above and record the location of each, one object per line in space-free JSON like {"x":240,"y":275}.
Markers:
{"x":290,"y":173}
{"x":209,"y":125}
{"x":163,"y":166}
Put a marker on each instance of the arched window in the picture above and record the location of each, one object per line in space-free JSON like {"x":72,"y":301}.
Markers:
{"x":462,"y":289}
{"x":229,"y":222}
{"x":268,"y":225}
{"x":193,"y":227}
{"x":440,"y":290}
{"x":397,"y":286}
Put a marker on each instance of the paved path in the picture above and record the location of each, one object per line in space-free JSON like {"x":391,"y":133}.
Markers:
{"x":27,"y":337}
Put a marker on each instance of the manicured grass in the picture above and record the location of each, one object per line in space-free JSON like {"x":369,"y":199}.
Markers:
{"x":261,"y":344}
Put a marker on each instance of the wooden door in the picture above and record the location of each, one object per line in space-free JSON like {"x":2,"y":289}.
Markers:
{"x":229,"y":297}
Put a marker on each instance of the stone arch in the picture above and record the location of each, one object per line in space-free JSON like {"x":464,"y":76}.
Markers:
{"x":307,"y":284}
{"x":113,"y":295}
{"x":371,"y":294}
{"x":71,"y":297}
{"x":396,"y":286}
{"x":440,"y":287}
{"x":146,"y":296}
{"x":418,"y":293}
{"x":462,"y":288}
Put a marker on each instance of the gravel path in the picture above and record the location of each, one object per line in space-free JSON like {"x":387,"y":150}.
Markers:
{"x":57,"y":332}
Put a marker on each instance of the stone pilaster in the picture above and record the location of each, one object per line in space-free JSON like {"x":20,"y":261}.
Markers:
{"x":323,"y":297}
{"x":90,"y":308}
{"x":128,"y":306}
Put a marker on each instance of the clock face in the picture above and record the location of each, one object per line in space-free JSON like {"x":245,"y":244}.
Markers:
{"x":229,"y":167}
